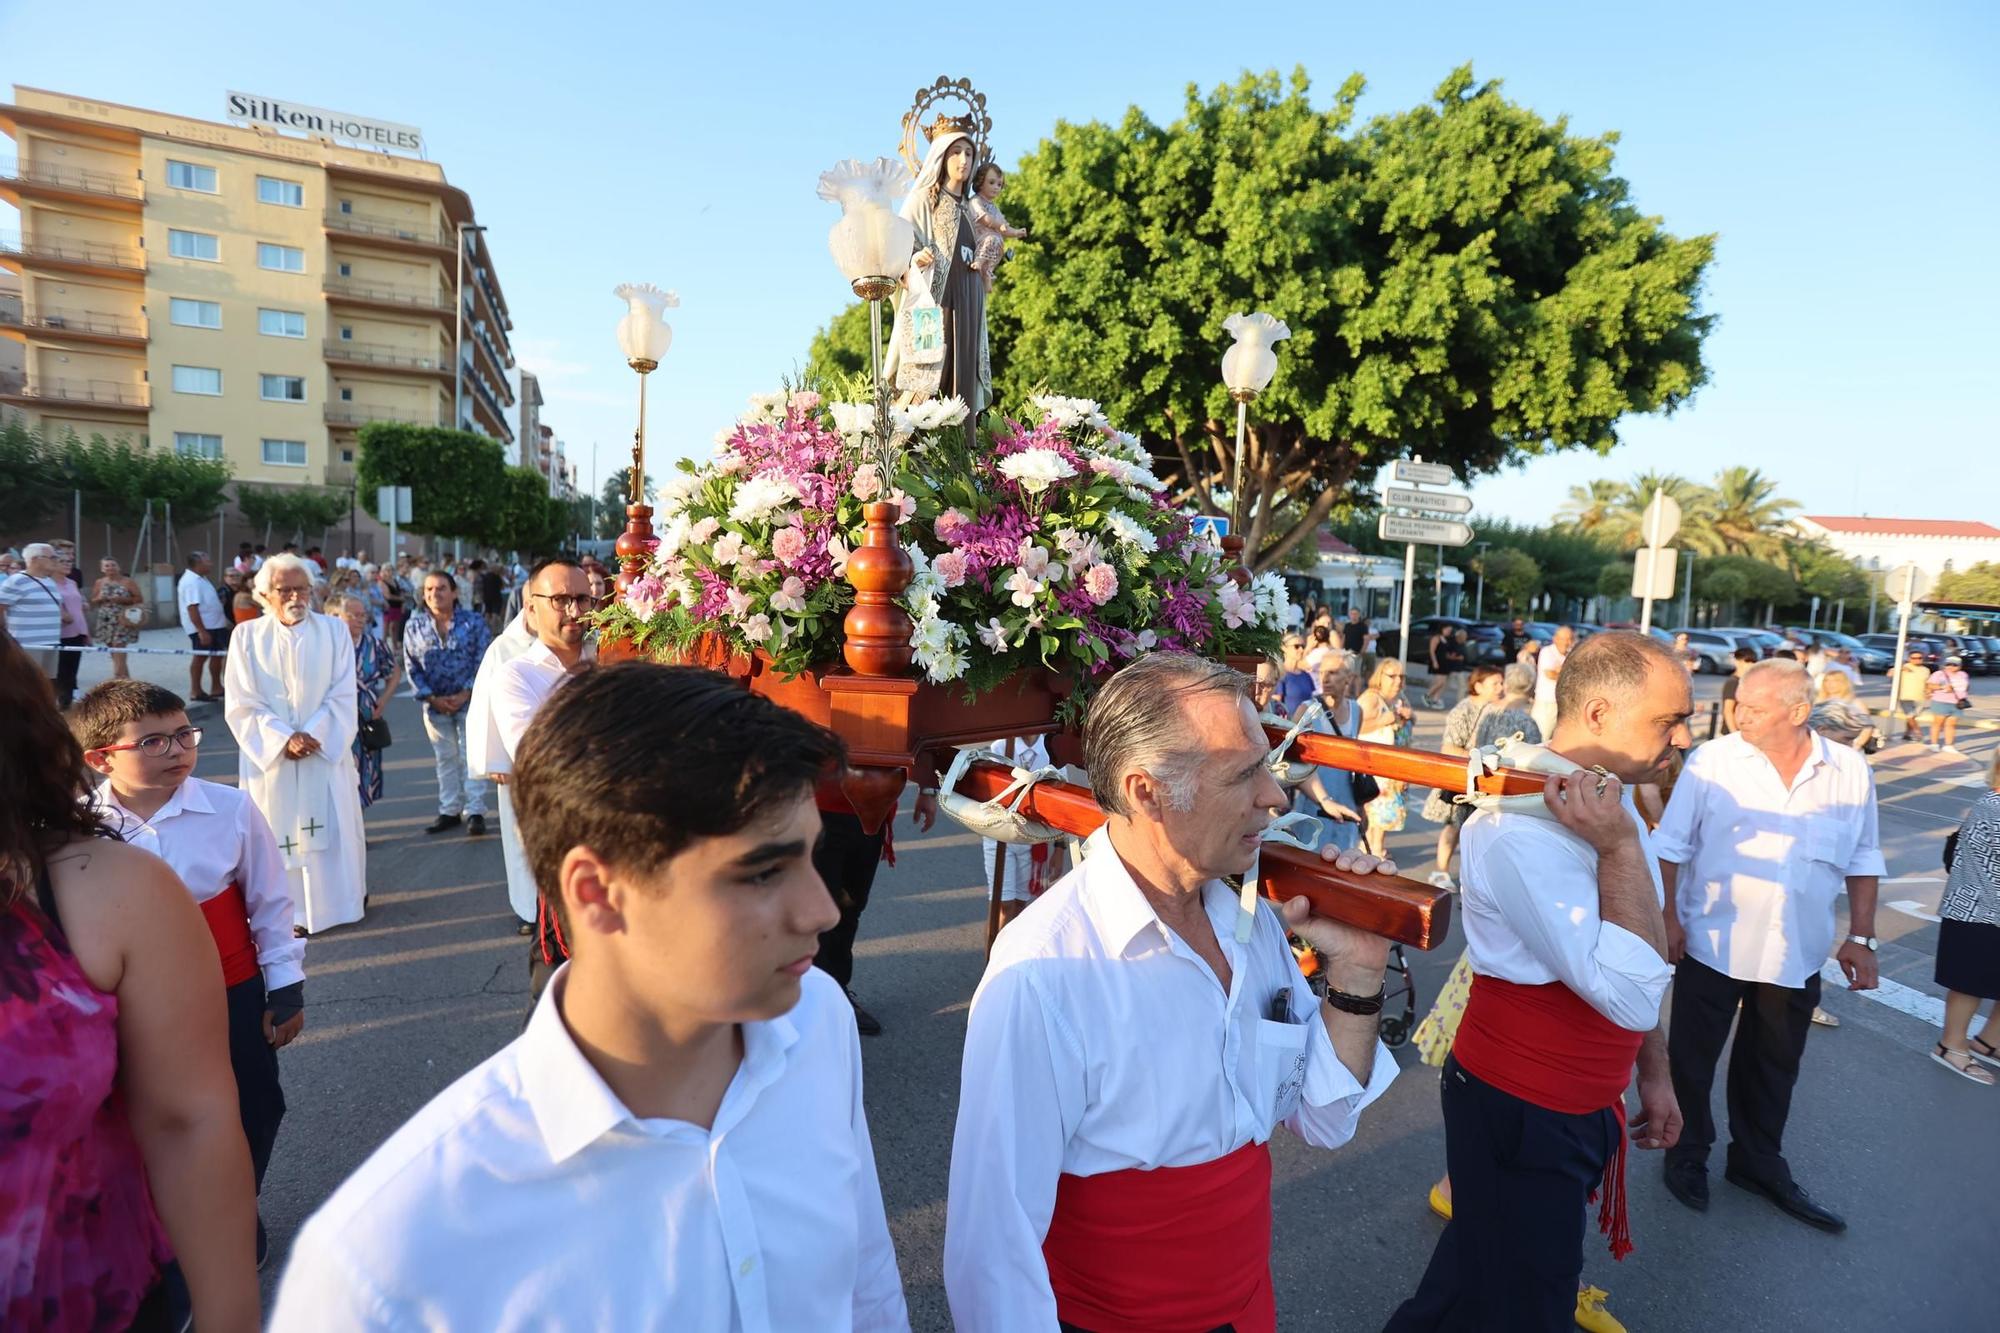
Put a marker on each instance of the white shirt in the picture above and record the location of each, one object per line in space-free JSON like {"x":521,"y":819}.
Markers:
{"x":194,"y":590}
{"x":1549,"y":659}
{"x":526,"y":1196}
{"x":1529,"y":910}
{"x":213,"y":836}
{"x":523,"y":684}
{"x":1099,"y":1041}
{"x":1762,"y":862}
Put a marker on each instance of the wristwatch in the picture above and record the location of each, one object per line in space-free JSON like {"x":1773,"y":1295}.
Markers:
{"x":1869,"y":940}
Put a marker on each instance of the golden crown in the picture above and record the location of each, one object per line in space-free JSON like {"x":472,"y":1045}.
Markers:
{"x":973,"y":121}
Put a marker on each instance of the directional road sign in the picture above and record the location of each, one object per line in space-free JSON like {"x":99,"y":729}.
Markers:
{"x":1427,"y":531}
{"x":1424,"y":474}
{"x":1437,"y":502}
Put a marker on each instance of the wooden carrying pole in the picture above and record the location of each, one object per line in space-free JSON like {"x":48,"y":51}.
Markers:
{"x":1419,"y":768}
{"x":1386,"y":905}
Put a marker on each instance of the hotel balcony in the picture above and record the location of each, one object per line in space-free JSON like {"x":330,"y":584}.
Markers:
{"x":53,"y":394}
{"x":381,"y":356}
{"x":38,"y":180}
{"x":390,"y":234}
{"x":76,"y":326}
{"x":360,"y":414}
{"x":18,"y":252}
{"x":400,"y":300}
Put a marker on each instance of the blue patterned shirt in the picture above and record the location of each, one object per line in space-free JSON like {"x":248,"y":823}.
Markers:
{"x":444,"y":665}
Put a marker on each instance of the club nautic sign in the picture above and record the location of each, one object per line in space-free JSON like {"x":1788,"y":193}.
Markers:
{"x":384,"y":134}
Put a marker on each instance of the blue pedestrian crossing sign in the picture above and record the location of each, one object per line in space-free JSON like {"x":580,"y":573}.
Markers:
{"x":1213,"y":526}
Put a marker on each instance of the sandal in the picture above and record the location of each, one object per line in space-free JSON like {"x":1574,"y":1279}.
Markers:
{"x":1969,"y":1070}
{"x":1983,"y":1050}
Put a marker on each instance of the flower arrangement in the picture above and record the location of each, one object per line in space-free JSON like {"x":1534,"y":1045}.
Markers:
{"x":1050,"y":545}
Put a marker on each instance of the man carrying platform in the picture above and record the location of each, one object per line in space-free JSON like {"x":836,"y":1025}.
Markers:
{"x":1564,"y":929}
{"x":1128,"y":1055}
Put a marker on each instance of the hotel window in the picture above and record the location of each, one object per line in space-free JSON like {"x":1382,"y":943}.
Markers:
{"x":198,"y":379}
{"x":347,"y":333}
{"x":188,"y":176}
{"x":346,"y":395}
{"x":281,"y":323}
{"x":285,"y":453}
{"x":196,"y":445}
{"x":283,"y":388}
{"x":193,"y":245}
{"x":283,"y":258}
{"x":347,"y":205}
{"x":347,"y":270}
{"x":271,"y":190}
{"x":195,"y":314}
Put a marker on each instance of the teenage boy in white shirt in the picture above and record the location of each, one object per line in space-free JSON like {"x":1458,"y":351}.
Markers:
{"x":677,"y":1140}
{"x":137,"y":736}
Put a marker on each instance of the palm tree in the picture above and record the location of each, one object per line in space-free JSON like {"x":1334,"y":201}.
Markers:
{"x":1589,"y":508}
{"x":1750,"y":518}
{"x":1697,"y":502}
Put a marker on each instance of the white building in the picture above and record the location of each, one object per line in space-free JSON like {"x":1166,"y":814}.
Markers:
{"x":1934,"y":545}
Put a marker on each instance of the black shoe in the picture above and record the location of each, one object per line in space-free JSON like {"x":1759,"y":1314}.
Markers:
{"x":476,"y":826}
{"x":1688,"y":1182}
{"x":1791,"y":1198}
{"x":263,"y":1245}
{"x":443,"y":822}
{"x":864,"y":1022}
{"x":527,"y":929}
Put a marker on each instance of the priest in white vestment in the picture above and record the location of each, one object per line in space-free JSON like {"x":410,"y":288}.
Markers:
{"x":291,"y":707}
{"x":487,"y":753}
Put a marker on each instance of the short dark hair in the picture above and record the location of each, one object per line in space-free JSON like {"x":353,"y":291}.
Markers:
{"x":549,"y":561}
{"x":979,"y":176}
{"x":638,"y":761}
{"x":1611,"y":664}
{"x":1479,"y":675}
{"x":479,"y":564}
{"x":98,"y":715}
{"x":244,"y":546}
{"x":1746,"y":655}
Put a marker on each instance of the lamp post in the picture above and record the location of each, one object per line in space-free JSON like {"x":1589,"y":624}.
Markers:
{"x":1479,"y":600}
{"x":871,"y":245}
{"x":1247,"y":368}
{"x":458,"y":332}
{"x":644,"y":336}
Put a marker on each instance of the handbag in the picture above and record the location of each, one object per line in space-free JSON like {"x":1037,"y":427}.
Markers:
{"x":374,"y":733}
{"x":1363,"y":785}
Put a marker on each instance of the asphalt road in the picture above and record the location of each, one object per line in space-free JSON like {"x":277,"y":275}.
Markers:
{"x":435,"y":979}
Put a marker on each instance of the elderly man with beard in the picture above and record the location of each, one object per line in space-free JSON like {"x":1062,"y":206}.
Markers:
{"x":1132,"y":1046}
{"x":290,"y":705}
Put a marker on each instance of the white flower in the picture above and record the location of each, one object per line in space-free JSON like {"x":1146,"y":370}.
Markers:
{"x":853,"y":418}
{"x":1147,"y":641}
{"x":939,"y":647}
{"x":759,"y":496}
{"x":836,"y":551}
{"x":674,"y":537}
{"x":729,"y":549}
{"x":994,"y":635}
{"x":938,"y":413}
{"x":1129,"y":532}
{"x":740,"y":602}
{"x":678,"y":488}
{"x":728,"y":462}
{"x":1035,"y":470}
{"x":684,"y":591}
{"x":703,"y":530}
{"x":1274,"y":601}
{"x":1024,"y":586}
{"x":1239,"y":608}
{"x":1080,"y":549}
{"x":947,"y":665}
{"x":790,"y":597}
{"x":1037,"y":563}
{"x":1069,"y":412}
{"x":757,"y":628}
{"x":1126,"y":473}
{"x":725,"y":439}
{"x":766,"y":409}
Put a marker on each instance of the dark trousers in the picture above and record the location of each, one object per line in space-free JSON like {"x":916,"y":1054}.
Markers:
{"x":1520,"y":1178}
{"x":259,"y":1099}
{"x":67,"y":665}
{"x":846,"y":859}
{"x":1771,"y":1026}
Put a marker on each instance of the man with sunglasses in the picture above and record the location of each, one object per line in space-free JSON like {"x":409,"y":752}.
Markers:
{"x":556,"y":606}
{"x":137,"y":737}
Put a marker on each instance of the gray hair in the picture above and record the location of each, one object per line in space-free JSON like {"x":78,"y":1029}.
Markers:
{"x":267,"y":573}
{"x":1790,"y":679}
{"x":1137,"y":722}
{"x":341,"y":600}
{"x":38,"y":551}
{"x":1517,"y":678}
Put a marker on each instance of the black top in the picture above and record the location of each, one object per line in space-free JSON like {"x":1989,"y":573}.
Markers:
{"x":1728,"y":693}
{"x":1353,"y":635}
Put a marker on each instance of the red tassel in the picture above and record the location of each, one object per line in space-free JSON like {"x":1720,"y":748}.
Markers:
{"x":1611,"y":1217}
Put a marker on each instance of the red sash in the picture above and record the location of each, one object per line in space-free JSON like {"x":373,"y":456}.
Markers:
{"x":1546,"y":1046}
{"x":1180,"y":1249}
{"x":228,"y":918}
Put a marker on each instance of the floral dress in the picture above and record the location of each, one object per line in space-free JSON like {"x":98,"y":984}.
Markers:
{"x":373,"y":666}
{"x":108,"y":626}
{"x":1387,"y":811}
{"x":77,"y":1224}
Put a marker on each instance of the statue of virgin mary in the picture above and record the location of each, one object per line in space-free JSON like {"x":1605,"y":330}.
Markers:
{"x":944,"y":248}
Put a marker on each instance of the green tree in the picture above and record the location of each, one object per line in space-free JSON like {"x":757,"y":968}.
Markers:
{"x":1512,"y":577}
{"x":1750,"y":517}
{"x":1464,"y":280}
{"x":292,"y":513}
{"x":31,"y":477}
{"x":1740,"y":581}
{"x":1825,"y":573}
{"x":1980,"y":583}
{"x":613,"y":498}
{"x":457,"y":479}
{"x":528,"y":519}
{"x":1614,"y":512}
{"x":118,"y":478}
{"x":840,"y":350}
{"x":1595,"y":509}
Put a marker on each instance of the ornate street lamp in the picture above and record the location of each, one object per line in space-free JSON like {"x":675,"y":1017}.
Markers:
{"x":871,"y":244}
{"x":1247,"y":368}
{"x":644,"y":336}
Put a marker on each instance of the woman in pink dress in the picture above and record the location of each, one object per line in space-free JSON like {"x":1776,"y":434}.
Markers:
{"x":117,"y":1106}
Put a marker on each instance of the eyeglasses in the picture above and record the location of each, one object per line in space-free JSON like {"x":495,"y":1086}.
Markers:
{"x":570,"y":602}
{"x":160,"y":745}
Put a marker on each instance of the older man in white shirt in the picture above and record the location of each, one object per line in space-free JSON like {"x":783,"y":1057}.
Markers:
{"x":678,"y":1140}
{"x":1130,"y":1050}
{"x":1764,"y":830}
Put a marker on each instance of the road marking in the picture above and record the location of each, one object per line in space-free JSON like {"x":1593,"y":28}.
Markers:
{"x":1916,"y":909}
{"x":1903,"y":999}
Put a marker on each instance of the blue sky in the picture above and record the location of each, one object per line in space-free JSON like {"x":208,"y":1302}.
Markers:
{"x":1845,"y":153}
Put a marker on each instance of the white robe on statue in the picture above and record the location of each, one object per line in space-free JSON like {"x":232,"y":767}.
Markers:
{"x":281,"y":680}
{"x":487,"y":754}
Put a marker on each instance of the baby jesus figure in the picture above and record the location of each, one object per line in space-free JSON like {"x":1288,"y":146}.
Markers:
{"x":990,"y":222}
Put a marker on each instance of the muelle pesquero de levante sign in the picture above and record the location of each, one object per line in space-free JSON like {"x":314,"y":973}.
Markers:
{"x":384,"y":134}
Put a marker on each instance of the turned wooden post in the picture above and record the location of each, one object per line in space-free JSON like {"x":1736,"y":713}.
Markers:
{"x":1232,"y":550}
{"x":878,"y":632}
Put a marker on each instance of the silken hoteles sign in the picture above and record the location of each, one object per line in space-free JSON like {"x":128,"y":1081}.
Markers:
{"x":383,"y":134}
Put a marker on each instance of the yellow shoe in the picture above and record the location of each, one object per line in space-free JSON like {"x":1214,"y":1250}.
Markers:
{"x":1441,"y":1205}
{"x":1591,"y":1314}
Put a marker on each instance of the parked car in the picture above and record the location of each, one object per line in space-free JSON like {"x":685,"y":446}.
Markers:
{"x":1971,"y":650}
{"x":1714,"y":651}
{"x":1766,"y":643}
{"x":1934,"y":652}
{"x":1865,"y":657}
{"x":1482,"y":639}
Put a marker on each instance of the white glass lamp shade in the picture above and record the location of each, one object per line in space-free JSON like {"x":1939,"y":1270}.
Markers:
{"x":644,"y":334}
{"x":1248,"y":366}
{"x":871,"y":240}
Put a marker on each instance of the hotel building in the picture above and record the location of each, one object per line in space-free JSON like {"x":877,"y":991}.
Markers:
{"x":232,"y":292}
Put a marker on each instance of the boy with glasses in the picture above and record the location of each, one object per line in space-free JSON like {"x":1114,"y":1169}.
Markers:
{"x":137,"y":736}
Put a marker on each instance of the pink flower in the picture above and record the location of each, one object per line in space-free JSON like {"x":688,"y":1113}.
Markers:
{"x":740,"y":602}
{"x":836,"y":551}
{"x":1024,"y":587}
{"x":805,"y":400}
{"x":905,"y":503}
{"x":702,"y":531}
{"x":949,"y":524}
{"x":757,"y":628}
{"x":788,"y":544}
{"x":1101,"y":582}
{"x":867,"y":483}
{"x":790,"y":597}
{"x":951,"y":568}
{"x":643,"y":597}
